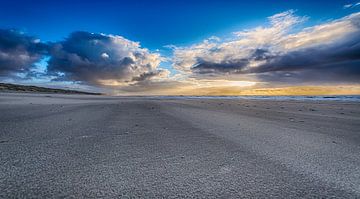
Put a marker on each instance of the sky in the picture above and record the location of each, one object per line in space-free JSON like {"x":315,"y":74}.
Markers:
{"x":183,"y":47}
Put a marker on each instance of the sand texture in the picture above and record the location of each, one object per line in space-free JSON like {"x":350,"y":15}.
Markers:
{"x":83,"y":146}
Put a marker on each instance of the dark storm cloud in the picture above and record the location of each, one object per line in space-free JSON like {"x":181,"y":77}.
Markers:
{"x":344,"y":52}
{"x":204,"y":67}
{"x":94,"y":58}
{"x":343,"y":72}
{"x":18,"y":51}
{"x":231,"y":65}
{"x":336,"y":62}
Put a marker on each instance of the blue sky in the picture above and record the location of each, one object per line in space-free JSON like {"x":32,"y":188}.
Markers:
{"x":154,"y":23}
{"x":94,"y":43}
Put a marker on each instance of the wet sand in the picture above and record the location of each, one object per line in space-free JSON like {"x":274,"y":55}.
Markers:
{"x":77,"y":146}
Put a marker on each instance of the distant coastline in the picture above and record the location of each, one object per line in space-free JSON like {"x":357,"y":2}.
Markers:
{"x":6,"y":87}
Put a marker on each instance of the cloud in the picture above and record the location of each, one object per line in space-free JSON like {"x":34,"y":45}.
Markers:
{"x":351,"y":5}
{"x":19,"y":52}
{"x":100,"y":59}
{"x":279,"y":53}
{"x":326,"y":52}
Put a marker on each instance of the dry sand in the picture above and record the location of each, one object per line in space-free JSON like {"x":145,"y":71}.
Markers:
{"x":76,"y":146}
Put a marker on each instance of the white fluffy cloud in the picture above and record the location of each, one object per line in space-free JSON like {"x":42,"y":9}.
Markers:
{"x":101,"y":59}
{"x":276,"y":48}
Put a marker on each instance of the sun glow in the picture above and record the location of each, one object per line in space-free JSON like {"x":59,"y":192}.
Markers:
{"x":239,"y":83}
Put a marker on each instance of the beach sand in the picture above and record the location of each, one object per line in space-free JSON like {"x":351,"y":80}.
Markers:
{"x":77,"y":146}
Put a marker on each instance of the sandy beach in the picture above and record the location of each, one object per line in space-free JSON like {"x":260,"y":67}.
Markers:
{"x":80,"y":146}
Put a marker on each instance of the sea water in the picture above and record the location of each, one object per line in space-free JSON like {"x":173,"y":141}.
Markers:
{"x":353,"y":98}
